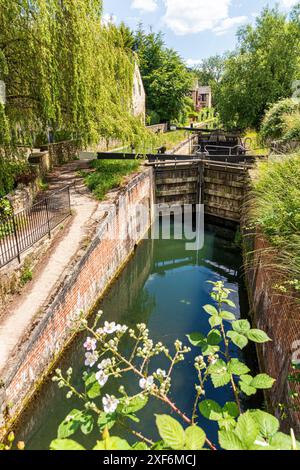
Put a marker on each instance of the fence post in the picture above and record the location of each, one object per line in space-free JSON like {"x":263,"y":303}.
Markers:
{"x":48,"y":221}
{"x":69,"y":196}
{"x":16,"y":237}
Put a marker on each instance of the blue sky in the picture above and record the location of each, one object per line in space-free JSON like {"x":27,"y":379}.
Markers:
{"x":195,"y":28}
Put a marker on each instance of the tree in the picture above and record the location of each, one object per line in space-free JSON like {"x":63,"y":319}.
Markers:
{"x":210,"y":70}
{"x":261,"y":71}
{"x":65,"y":70}
{"x":166,"y":78}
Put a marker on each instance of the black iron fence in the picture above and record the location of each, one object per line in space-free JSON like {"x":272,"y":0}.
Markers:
{"x":20,"y":231}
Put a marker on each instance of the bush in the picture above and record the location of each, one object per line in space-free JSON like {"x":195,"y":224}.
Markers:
{"x":14,"y":170}
{"x":273,"y":125}
{"x":276,"y":211}
{"x":153,"y":118}
{"x":108,"y":175}
{"x":291,"y":126}
{"x":5,"y":209}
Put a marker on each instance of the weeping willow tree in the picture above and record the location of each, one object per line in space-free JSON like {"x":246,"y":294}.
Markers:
{"x":64,"y":71}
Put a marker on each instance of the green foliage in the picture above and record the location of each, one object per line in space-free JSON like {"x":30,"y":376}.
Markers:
{"x":26,"y":276}
{"x":256,"y":430}
{"x":261,"y":71}
{"x":171,"y":432}
{"x":6,"y":210}
{"x":65,"y":444}
{"x":176,"y":438}
{"x":14,"y":170}
{"x":210,"y":73}
{"x":109,"y":174}
{"x":166,"y":78}
{"x":275,"y":209}
{"x":291,"y":127}
{"x":238,"y":430}
{"x":170,"y":139}
{"x":66,"y":71}
{"x":273,"y":125}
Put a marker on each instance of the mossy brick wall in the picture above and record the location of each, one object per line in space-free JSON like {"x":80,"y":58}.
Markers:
{"x":92,"y":274}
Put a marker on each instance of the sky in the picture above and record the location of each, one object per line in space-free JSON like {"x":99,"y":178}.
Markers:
{"x":195,"y":28}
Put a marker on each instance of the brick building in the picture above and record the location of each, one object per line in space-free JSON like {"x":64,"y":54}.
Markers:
{"x":201,"y":96}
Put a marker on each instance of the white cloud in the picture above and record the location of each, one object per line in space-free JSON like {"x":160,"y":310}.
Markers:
{"x":288,"y":3}
{"x":108,"y":19}
{"x":193,"y":62}
{"x":229,"y":23}
{"x":147,"y":6}
{"x":199,"y":15}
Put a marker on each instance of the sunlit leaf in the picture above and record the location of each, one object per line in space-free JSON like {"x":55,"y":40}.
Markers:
{"x":65,"y":444}
{"x":171,"y":431}
{"x":195,"y":438}
{"x":258,"y":336}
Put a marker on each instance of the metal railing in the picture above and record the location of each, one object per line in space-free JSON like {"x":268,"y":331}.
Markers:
{"x":22,"y":230}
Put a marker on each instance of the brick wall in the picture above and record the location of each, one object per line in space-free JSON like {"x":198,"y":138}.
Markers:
{"x":80,"y":290}
{"x":278,"y":315}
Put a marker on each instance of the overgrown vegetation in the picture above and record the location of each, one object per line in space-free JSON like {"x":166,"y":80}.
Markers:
{"x":278,"y":121}
{"x":255,"y":143}
{"x":166,"y":78}
{"x":261,"y":70}
{"x":14,"y":170}
{"x":109,"y":174}
{"x":275,"y":209}
{"x":217,"y":366}
{"x":65,"y":72}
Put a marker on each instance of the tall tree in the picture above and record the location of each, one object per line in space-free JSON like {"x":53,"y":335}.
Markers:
{"x":261,"y":71}
{"x":65,"y":70}
{"x":210,"y":72}
{"x":166,"y":78}
{"x":211,"y":69}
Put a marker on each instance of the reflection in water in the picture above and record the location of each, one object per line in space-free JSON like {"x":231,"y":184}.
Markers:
{"x":164,"y":286}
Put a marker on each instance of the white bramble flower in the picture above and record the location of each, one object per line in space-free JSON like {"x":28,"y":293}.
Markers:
{"x":147,"y":383}
{"x":110,"y":328}
{"x":91,"y":358}
{"x":110,"y":403}
{"x":90,"y":344}
{"x":122,"y":328}
{"x":104,"y":364}
{"x":101,"y":378}
{"x":161,"y":373}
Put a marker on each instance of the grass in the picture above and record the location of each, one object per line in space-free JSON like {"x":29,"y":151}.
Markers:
{"x":171,"y":139}
{"x":7,"y":227}
{"x":168,"y":140}
{"x":256,"y":146}
{"x":275,"y":209}
{"x":109,"y":174}
{"x":26,"y":276}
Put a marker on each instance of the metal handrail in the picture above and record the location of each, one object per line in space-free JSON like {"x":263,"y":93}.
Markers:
{"x":22,"y":230}
{"x":224,"y":147}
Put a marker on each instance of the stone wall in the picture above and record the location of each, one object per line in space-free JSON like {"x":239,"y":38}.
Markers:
{"x":79,"y":290}
{"x":279,"y":316}
{"x":158,"y":128}
{"x":63,"y":152}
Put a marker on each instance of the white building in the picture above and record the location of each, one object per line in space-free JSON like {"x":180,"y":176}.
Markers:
{"x":139,"y":95}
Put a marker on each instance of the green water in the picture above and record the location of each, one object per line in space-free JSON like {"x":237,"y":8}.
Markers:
{"x":164,"y":286}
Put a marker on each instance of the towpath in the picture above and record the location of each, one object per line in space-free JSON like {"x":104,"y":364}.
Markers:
{"x":16,"y":322}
